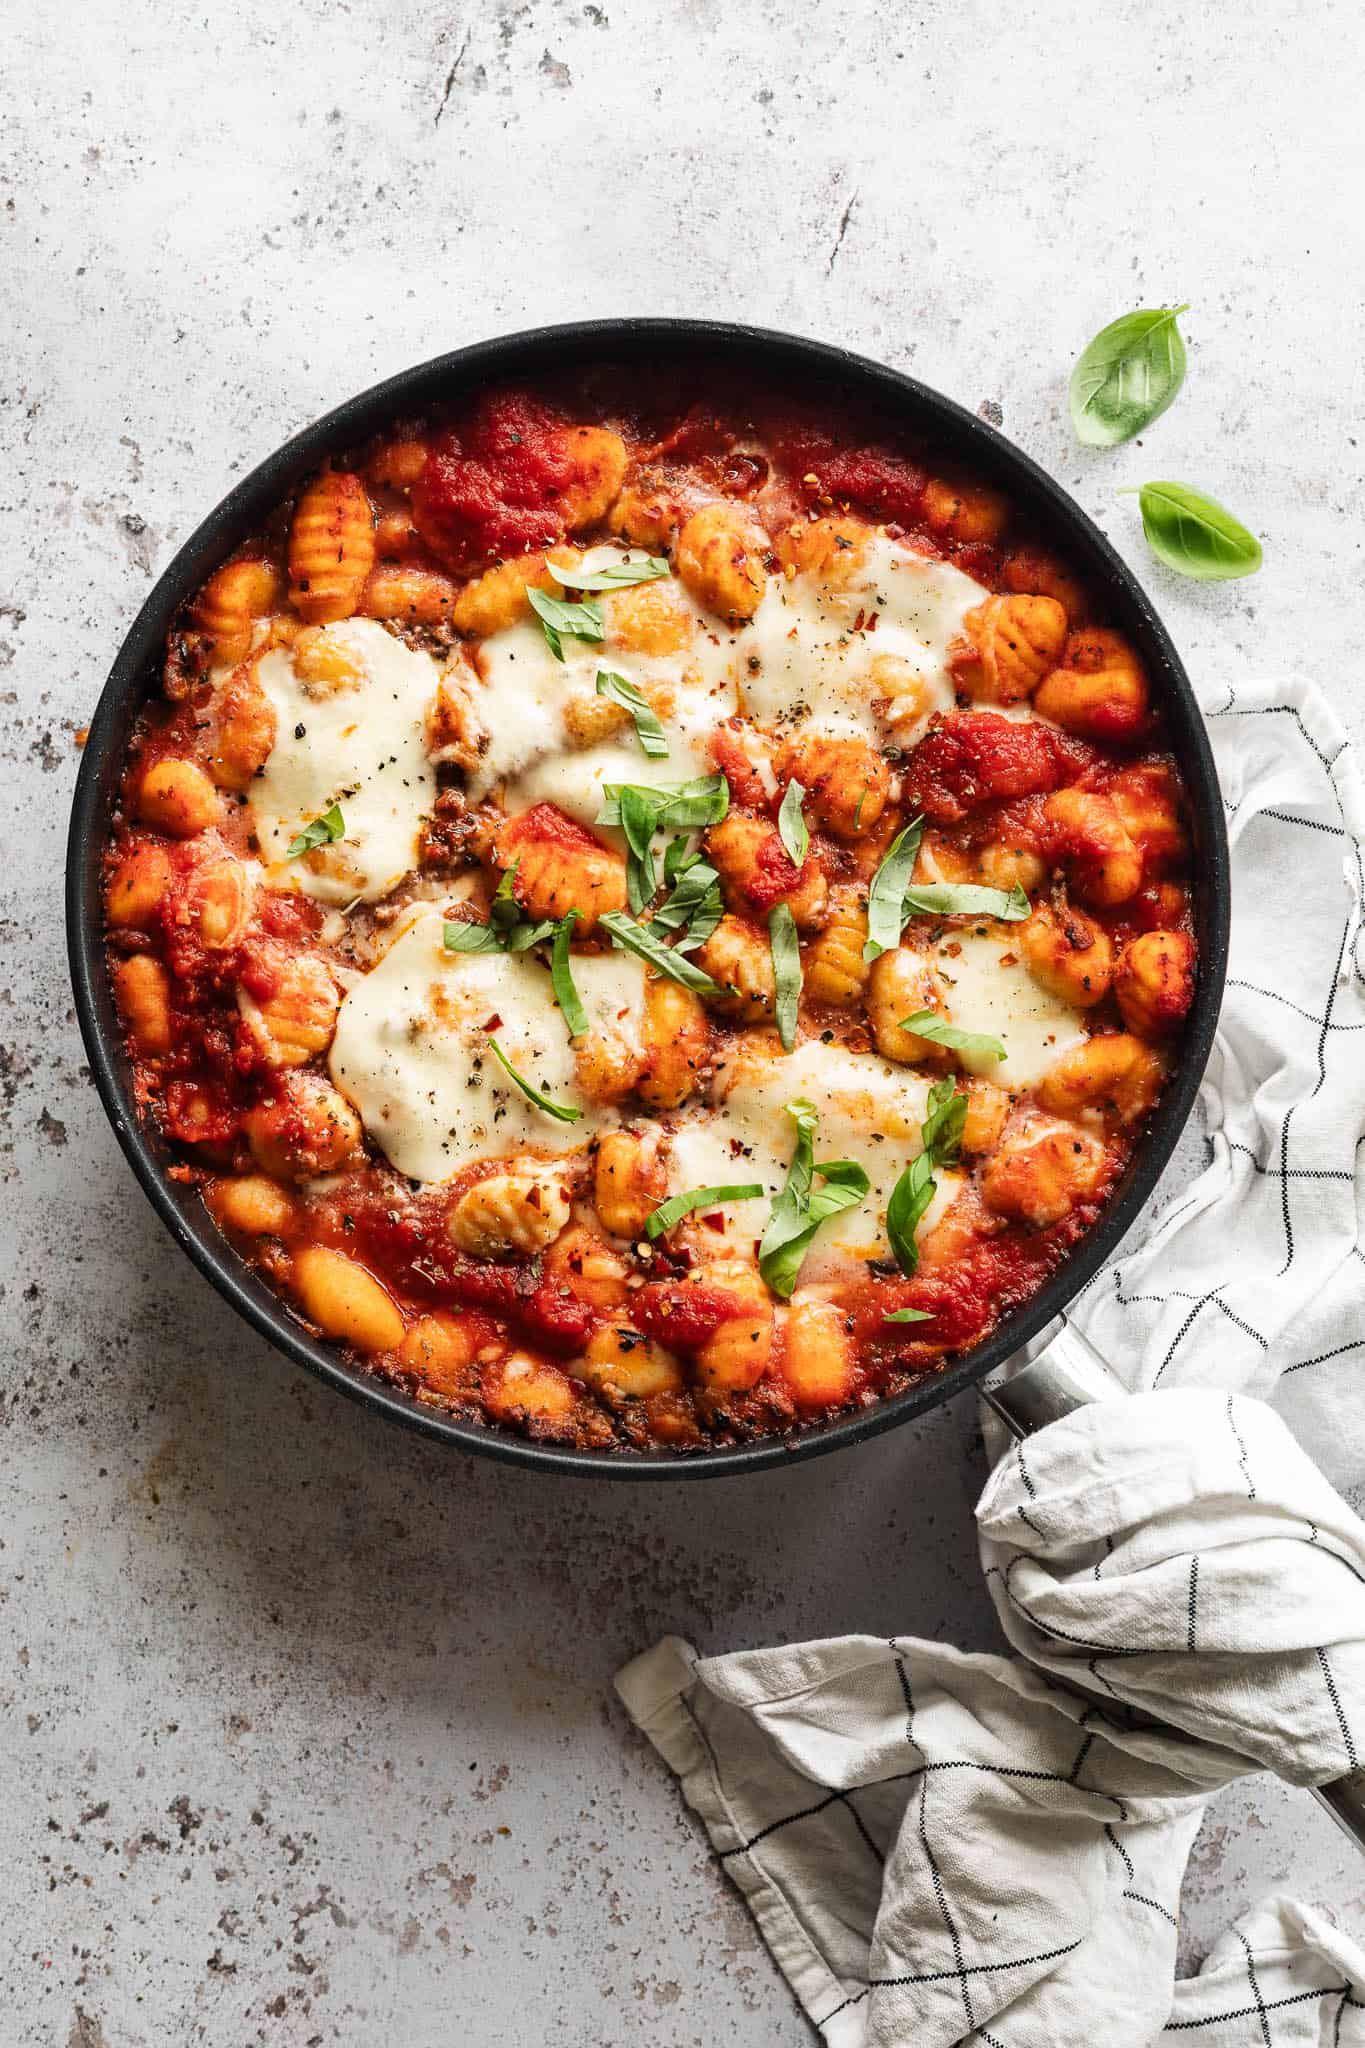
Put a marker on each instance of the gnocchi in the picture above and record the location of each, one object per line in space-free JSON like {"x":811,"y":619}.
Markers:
{"x":524,"y":967}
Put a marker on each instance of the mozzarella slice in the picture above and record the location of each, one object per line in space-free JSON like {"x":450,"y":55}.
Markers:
{"x":809,"y":658}
{"x":412,"y":1053}
{"x":990,"y":990}
{"x":519,"y":701}
{"x":362,"y":747}
{"x":869,"y":1110}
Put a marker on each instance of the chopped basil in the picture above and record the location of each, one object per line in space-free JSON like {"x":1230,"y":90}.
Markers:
{"x":928,"y":1024}
{"x":907,"y":1315}
{"x":1127,"y":376}
{"x":677,"y":1206}
{"x":507,"y":929}
{"x":637,"y":822}
{"x":786,"y":952}
{"x":694,"y":905}
{"x":886,"y":898}
{"x":1195,"y":535}
{"x":678,"y":806}
{"x":678,"y":858}
{"x":968,"y":899}
{"x":616,"y":575}
{"x":792,"y":825}
{"x":559,"y":620}
{"x":561,"y":1111}
{"x":940,"y":1137}
{"x":639,"y":939}
{"x":653,"y":740}
{"x":462,"y":937}
{"x":561,"y":978}
{"x":321,"y":832}
{"x":801,"y":1207}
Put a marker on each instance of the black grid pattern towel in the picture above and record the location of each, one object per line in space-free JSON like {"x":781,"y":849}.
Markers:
{"x":943,"y":1848}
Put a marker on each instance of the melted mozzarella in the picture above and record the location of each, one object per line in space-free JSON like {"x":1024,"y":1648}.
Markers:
{"x":411,"y":1049}
{"x":519,"y":700}
{"x":807,"y":659}
{"x":363,"y":747}
{"x":869,"y":1111}
{"x":990,"y":990}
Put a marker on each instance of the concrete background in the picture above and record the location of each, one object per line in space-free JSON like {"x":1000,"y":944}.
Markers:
{"x":307,"y":1733}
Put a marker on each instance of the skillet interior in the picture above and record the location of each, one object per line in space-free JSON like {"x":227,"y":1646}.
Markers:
{"x":135,"y":677}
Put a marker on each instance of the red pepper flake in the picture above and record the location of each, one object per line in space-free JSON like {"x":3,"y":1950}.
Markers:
{"x":715,"y":1221}
{"x":494,"y":1023}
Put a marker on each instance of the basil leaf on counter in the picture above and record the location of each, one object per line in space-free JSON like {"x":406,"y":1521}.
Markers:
{"x":560,"y":621}
{"x":886,"y":898}
{"x":928,"y":1024}
{"x":1195,"y":535}
{"x":648,"y":731}
{"x":801,"y":1208}
{"x":561,"y":1111}
{"x":786,"y":952}
{"x":562,"y":981}
{"x":321,"y":832}
{"x":616,"y":575}
{"x":640,"y":940}
{"x":1127,"y":376}
{"x":940,"y":1137}
{"x":677,"y":1206}
{"x":792,"y":825}
{"x":967,"y":899}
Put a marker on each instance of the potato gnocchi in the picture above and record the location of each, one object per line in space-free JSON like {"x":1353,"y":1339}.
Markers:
{"x":650,"y":928}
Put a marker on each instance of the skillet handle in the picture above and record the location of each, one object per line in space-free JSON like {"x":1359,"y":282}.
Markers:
{"x":1067,"y":1374}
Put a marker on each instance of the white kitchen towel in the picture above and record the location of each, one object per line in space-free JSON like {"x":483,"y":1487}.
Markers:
{"x":944,"y":1848}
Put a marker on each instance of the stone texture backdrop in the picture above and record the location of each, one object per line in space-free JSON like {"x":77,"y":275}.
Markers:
{"x":306,"y":1731}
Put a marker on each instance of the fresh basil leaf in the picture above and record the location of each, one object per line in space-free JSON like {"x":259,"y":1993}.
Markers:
{"x":559,"y":620}
{"x":691,"y":901}
{"x":651,"y":735}
{"x":648,"y":946}
{"x":886,"y":898}
{"x":637,"y":822}
{"x":703,"y":921}
{"x":792,"y":825}
{"x":459,"y":936}
{"x":677,"y":1206}
{"x":798,"y":1212}
{"x":504,"y":911}
{"x":908,"y":1315}
{"x":521,"y":937}
{"x":786,"y":952}
{"x":928,"y":1024}
{"x":1127,"y":376}
{"x":678,"y":806}
{"x":678,"y":858}
{"x":1195,"y":535}
{"x":321,"y":832}
{"x":941,"y":1131}
{"x":616,"y":575}
{"x":561,"y":978}
{"x":561,"y":1111}
{"x":967,"y":899}
{"x":940,"y":1138}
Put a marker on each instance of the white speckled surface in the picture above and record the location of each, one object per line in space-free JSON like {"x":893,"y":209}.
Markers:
{"x":306,"y":1727}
